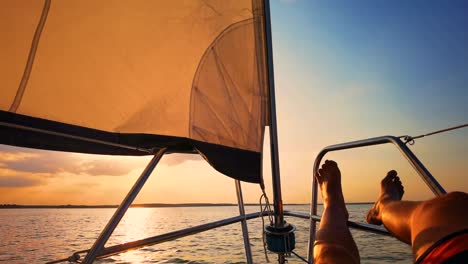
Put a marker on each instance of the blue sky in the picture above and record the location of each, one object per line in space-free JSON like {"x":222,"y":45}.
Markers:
{"x":348,"y":70}
{"x":414,"y":50}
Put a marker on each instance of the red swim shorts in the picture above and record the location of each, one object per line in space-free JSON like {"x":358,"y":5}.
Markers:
{"x":452,"y":249}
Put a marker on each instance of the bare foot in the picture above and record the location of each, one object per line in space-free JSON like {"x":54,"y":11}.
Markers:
{"x":391,"y":189}
{"x":329,"y":179}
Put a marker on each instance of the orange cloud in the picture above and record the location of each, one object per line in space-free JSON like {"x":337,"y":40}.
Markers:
{"x":54,"y":163}
{"x":18,"y":181}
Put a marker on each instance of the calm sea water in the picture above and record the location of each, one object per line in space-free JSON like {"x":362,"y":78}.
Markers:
{"x":40,"y":235}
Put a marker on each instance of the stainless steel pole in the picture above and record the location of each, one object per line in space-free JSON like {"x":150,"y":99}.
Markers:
{"x":313,"y":221}
{"x":278,"y":202}
{"x":275,"y":170}
{"x":431,"y":182}
{"x":150,"y":241}
{"x":120,"y":212}
{"x":245,"y":230}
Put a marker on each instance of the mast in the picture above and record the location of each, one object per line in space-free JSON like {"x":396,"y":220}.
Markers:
{"x":275,"y":170}
{"x":276,"y":181}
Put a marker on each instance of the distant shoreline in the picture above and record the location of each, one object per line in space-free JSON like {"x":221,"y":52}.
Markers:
{"x":150,"y":205}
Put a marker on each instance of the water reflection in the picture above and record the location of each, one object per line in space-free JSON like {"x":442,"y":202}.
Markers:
{"x":135,"y":224}
{"x":65,"y":231}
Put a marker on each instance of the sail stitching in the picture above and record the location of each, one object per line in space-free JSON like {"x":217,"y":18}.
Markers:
{"x":215,"y":114}
{"x":227,"y":79}
{"x":202,"y":61}
{"x":205,"y":131}
{"x":205,"y":99}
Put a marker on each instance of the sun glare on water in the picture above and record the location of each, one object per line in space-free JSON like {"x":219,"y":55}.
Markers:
{"x":134,"y":226}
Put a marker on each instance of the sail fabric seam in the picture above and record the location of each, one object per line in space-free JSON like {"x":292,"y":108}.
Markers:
{"x":216,"y":115}
{"x":32,"y":54}
{"x":225,"y":75}
{"x":205,"y":54}
{"x":211,"y":133}
{"x":227,"y":79}
{"x":203,"y":97}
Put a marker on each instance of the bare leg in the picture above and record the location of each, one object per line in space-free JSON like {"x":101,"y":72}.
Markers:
{"x":334,"y":243}
{"x":419,"y":224}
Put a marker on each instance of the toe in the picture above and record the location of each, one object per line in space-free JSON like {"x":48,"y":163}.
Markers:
{"x":398,"y":182}
{"x":331,"y":164}
{"x":390,"y":176}
{"x":392,"y":173}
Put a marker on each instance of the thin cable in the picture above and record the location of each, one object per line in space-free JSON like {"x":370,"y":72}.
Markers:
{"x":263,"y":209}
{"x":441,"y":131}
{"x":263,"y":227}
{"x":410,"y":140}
{"x":268,"y":208}
{"x":301,"y":258}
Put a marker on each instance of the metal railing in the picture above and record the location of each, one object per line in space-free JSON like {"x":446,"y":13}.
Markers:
{"x":355,"y":225}
{"x":120,"y":212}
{"x":154,"y":240}
{"x":407,"y":153}
{"x":100,"y":251}
{"x":170,"y":236}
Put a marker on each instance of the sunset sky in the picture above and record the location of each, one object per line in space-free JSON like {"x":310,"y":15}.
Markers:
{"x":344,"y":71}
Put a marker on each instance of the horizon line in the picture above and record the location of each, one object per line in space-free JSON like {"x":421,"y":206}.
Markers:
{"x":143,"y":205}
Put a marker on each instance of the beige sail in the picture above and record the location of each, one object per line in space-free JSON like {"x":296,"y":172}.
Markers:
{"x":188,"y":75}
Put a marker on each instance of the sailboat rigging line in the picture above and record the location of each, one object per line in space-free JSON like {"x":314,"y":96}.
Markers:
{"x":150,"y":151}
{"x":410,"y":140}
{"x":299,"y":257}
{"x":32,"y":54}
{"x":267,"y":207}
{"x":262,"y":210}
